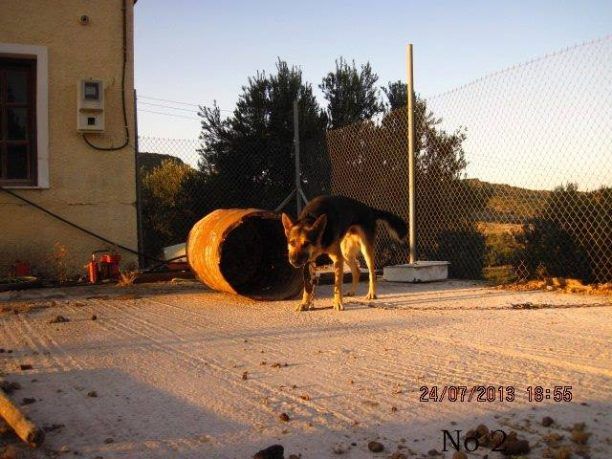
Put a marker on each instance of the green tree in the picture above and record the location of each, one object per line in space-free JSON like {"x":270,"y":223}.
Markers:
{"x":248,"y":157}
{"x":166,"y":207}
{"x":351,"y":94}
{"x":447,"y":207}
{"x":376,"y":153}
{"x":571,"y":235}
{"x":397,"y":94}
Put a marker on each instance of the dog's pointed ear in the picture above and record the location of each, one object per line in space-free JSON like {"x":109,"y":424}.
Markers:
{"x":287,"y":223}
{"x":319,"y":225}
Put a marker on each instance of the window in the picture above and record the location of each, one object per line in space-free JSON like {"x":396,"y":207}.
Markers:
{"x":18,"y":155}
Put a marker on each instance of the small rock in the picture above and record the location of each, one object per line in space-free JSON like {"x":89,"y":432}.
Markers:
{"x":9,"y":387}
{"x":284,"y":417}
{"x":59,"y":319}
{"x":460,"y":455}
{"x":28,"y":401}
{"x":496,"y":438}
{"x":514,"y":447}
{"x":53,"y":427}
{"x":25,"y":366}
{"x":245,"y":375}
{"x":339,"y":449}
{"x":11,"y":452}
{"x":482,"y":430}
{"x":295,"y":456}
{"x":562,"y":453}
{"x":94,"y":317}
{"x":547,"y":421}
{"x":433,"y":452}
{"x":398,"y":455}
{"x":376,"y":447}
{"x":271,"y":452}
{"x":92,"y":394}
{"x":109,"y":440}
{"x":394,"y":409}
{"x":305,"y":397}
{"x":579,"y":426}
{"x":580,"y":436}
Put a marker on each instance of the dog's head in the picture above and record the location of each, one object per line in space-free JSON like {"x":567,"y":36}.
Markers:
{"x":303,"y":239}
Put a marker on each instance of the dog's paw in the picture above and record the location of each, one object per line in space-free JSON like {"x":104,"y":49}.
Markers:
{"x":304,"y":307}
{"x":338,"y":305}
{"x":371,"y":296}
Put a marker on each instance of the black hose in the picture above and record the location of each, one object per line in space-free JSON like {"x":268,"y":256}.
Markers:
{"x":125,"y":122}
{"x":80,"y":228}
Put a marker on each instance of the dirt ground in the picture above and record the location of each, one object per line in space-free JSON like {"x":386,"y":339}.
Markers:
{"x":176,"y":370}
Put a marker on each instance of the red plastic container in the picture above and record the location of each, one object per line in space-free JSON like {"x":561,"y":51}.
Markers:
{"x":21,"y":269}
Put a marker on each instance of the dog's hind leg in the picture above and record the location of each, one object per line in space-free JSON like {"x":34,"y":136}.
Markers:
{"x":367,"y":249}
{"x":338,"y":260}
{"x":350,"y":249}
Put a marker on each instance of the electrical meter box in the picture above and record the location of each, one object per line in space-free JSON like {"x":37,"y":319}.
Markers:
{"x":90,"y":106}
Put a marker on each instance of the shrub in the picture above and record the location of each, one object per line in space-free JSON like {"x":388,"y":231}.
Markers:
{"x":165,"y":205}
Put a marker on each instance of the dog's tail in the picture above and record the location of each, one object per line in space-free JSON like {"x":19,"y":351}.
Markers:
{"x":398,"y":227}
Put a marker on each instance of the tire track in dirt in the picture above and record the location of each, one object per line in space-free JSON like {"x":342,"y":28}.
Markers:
{"x":110,"y":426}
{"x":168,"y":446}
{"x":227,"y":377}
{"x":91,"y":409}
{"x":263,"y":390}
{"x":359,"y":410}
{"x":79,"y":423}
{"x":364,"y":399}
{"x":505,"y":352}
{"x":541,"y":358}
{"x":492,"y":371}
{"x":46,"y":348}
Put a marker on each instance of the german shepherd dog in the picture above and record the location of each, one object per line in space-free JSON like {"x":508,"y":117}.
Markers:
{"x":339,"y":227}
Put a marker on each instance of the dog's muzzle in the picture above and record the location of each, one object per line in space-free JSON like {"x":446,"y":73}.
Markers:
{"x":298,"y":262}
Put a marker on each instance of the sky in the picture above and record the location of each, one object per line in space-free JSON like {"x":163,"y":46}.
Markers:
{"x":199,"y":51}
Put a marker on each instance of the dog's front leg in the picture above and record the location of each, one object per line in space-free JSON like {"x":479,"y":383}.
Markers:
{"x":338,"y":278}
{"x":309,"y":288}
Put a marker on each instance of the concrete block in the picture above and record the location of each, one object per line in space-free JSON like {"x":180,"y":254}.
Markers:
{"x":420,"y":271}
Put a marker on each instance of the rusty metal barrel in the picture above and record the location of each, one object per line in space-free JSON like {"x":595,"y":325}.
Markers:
{"x":243,"y":251}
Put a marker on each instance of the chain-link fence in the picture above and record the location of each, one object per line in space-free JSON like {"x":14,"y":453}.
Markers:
{"x":513,"y":172}
{"x":181,"y":181}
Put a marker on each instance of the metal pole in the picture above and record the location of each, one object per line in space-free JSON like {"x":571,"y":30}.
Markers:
{"x":296,"y":145}
{"x":411,"y":168}
{"x":141,"y":259}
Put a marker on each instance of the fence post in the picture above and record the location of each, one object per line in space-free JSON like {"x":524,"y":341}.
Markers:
{"x":411,"y":165}
{"x":139,"y":228}
{"x":296,"y":145}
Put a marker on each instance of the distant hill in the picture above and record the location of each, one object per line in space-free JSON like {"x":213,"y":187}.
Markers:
{"x":508,"y":202}
{"x":149,"y":161}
